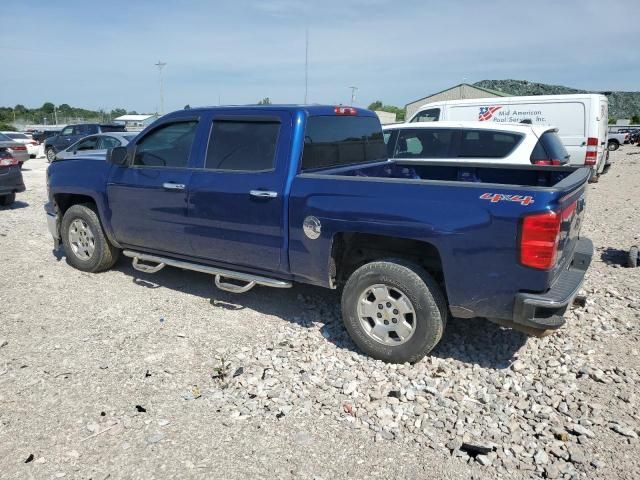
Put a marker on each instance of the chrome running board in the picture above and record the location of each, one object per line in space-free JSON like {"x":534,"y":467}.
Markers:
{"x":220,"y":273}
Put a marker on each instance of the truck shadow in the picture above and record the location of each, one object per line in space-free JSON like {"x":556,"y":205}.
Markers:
{"x":18,"y":204}
{"x":475,"y":341}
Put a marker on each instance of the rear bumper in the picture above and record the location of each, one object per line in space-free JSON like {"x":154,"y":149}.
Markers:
{"x":546,"y":310}
{"x":11,"y":181}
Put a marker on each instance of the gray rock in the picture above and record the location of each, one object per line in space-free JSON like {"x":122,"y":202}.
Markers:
{"x":154,"y":438}
{"x":580,"y":430}
{"x":541,"y":457}
{"x":625,"y":431}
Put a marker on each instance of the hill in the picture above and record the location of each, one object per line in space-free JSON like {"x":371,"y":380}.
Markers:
{"x":621,"y":104}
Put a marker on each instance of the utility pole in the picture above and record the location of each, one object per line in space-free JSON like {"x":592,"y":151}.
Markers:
{"x":306,"y":64}
{"x":55,"y":114}
{"x":353,"y":95}
{"x":160,"y":66}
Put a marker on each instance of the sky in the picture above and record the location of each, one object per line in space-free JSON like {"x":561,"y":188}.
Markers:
{"x":101,"y":54}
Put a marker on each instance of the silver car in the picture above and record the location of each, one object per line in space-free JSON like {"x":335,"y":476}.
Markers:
{"x":16,"y":149}
{"x":96,"y":146}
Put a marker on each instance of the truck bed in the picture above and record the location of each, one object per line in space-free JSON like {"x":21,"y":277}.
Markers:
{"x":548,"y":177}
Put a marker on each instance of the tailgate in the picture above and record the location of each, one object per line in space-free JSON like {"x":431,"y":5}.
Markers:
{"x":571,"y":206}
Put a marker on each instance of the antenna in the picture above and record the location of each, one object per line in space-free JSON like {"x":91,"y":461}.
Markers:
{"x":160,"y":66}
{"x":306,"y":64}
{"x":353,"y":95}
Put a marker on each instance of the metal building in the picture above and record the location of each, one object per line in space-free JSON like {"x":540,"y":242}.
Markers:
{"x":459,"y":92}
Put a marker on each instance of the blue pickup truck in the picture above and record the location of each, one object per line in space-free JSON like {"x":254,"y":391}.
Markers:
{"x":271,"y":195}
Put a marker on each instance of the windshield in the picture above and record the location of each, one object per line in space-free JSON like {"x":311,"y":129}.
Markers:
{"x":4,"y":138}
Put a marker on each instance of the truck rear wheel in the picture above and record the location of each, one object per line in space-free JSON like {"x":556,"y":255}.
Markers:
{"x":613,"y":145}
{"x":6,"y":200}
{"x":394,"y":310}
{"x":85,"y":244}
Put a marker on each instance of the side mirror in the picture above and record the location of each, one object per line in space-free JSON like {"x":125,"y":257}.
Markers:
{"x":117,"y":156}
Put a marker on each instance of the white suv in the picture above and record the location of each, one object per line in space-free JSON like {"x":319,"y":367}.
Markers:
{"x":477,"y":142}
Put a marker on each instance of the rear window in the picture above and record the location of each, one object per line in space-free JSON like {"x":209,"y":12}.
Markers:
{"x":17,"y":136}
{"x":549,"y":147}
{"x":4,"y":138}
{"x":487,"y":144}
{"x":332,"y":141}
{"x":111,"y":128}
{"x":424,"y":143}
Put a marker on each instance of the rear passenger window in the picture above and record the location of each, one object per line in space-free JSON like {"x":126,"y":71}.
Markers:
{"x":487,"y":144}
{"x":242,"y":145}
{"x":424,"y":143}
{"x":548,"y":148}
{"x":166,"y":146}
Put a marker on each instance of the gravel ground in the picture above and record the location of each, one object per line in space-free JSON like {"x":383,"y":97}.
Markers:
{"x":127,"y":375}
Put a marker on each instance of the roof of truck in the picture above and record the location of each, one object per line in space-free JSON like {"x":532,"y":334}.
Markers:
{"x":311,"y":109}
{"x":505,"y":127}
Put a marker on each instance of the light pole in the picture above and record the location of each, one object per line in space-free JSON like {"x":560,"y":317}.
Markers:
{"x":160,"y":66}
{"x":353,"y":95}
{"x":306,"y":64}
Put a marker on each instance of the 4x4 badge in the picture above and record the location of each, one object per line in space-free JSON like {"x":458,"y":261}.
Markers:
{"x":501,"y":197}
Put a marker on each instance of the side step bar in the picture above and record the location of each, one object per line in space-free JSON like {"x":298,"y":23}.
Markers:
{"x":220,"y":273}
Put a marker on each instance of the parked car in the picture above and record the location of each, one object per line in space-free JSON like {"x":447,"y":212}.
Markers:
{"x":614,"y":140}
{"x":41,"y":136}
{"x":25,"y":139}
{"x":96,"y":145}
{"x":477,"y":142}
{"x":10,"y":177}
{"x":581,"y":119}
{"x":72,"y":133}
{"x":279,"y":194}
{"x":16,"y":149}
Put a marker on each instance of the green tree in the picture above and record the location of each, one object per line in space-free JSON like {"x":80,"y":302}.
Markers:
{"x":47,"y":108}
{"x":118,"y":112}
{"x":7,"y":127}
{"x":378,"y":105}
{"x":635,"y":119}
{"x":612,"y":121}
{"x":265,"y":101}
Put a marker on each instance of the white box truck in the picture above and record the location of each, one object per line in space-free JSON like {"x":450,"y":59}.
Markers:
{"x":581,"y":119}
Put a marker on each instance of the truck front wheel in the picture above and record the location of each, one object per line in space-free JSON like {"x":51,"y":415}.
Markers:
{"x":394,"y":310}
{"x":85,"y":244}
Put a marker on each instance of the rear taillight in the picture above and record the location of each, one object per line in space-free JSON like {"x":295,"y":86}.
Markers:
{"x":539,"y":234}
{"x":547,"y":162}
{"x":19,"y":148}
{"x":591,"y":157}
{"x":7,"y":160}
{"x":345,"y":111}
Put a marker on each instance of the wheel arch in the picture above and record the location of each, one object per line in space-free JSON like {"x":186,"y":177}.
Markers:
{"x":351,"y":250}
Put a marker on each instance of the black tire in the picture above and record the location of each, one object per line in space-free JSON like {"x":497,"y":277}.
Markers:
{"x":632,"y":259}
{"x":424,"y":294}
{"x":613,"y":145}
{"x":104,"y":255}
{"x":6,"y":200}
{"x":50,"y":153}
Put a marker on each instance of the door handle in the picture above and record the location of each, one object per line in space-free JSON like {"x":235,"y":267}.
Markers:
{"x":263,"y":194}
{"x":173,"y":186}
